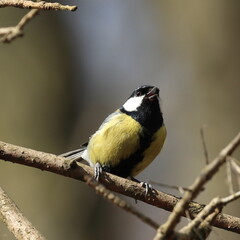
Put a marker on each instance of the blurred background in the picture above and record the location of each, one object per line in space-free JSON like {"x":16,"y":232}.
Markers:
{"x":71,"y":69}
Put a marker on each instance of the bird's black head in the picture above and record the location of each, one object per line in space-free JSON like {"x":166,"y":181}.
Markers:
{"x":143,"y":106}
{"x":148,"y":92}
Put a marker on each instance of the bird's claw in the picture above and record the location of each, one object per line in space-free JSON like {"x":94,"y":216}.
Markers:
{"x":148,"y":187}
{"x":97,"y":171}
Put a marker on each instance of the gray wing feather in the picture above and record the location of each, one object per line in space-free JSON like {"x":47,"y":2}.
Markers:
{"x":75,"y":154}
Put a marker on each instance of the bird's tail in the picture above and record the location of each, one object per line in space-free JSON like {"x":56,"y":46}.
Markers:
{"x":75,"y":154}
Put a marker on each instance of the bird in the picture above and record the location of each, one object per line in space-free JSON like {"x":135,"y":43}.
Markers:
{"x":129,"y":139}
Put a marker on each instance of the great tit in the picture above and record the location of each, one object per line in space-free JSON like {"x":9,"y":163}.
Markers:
{"x":129,"y":139}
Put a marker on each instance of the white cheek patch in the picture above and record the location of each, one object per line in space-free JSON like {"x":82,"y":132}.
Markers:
{"x":133,"y":103}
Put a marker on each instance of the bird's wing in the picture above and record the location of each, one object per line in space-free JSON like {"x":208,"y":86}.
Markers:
{"x":75,"y":154}
{"x":117,"y":139}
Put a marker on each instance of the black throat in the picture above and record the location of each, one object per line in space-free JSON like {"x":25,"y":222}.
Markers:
{"x":148,"y":115}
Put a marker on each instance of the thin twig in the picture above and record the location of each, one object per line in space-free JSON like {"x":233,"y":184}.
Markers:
{"x":204,"y":143}
{"x":202,"y":215}
{"x":11,"y":33}
{"x":167,"y":228}
{"x":62,"y":166}
{"x":41,"y":5}
{"x":236,"y":169}
{"x":230,"y":198}
{"x":229,"y":176}
{"x":175,"y":187}
{"x":15,"y":221}
{"x":8,"y":34}
{"x":201,"y":225}
{"x":113,"y":198}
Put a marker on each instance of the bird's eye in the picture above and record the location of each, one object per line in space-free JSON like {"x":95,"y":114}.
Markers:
{"x":138,"y":93}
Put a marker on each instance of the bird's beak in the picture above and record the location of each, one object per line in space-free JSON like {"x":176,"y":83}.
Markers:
{"x":152,"y":94}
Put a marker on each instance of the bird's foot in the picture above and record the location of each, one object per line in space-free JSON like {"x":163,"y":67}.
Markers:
{"x":148,"y":188}
{"x":97,"y":171}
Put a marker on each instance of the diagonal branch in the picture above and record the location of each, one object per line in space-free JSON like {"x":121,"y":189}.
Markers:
{"x":113,"y":198}
{"x":15,"y":221}
{"x":200,"y":227}
{"x":204,"y":144}
{"x":167,"y":228}
{"x":62,"y":166}
{"x":10,"y":33}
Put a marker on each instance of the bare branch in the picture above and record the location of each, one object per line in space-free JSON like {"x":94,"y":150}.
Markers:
{"x":62,"y":166}
{"x":111,"y":197}
{"x":41,"y":5}
{"x":201,"y":225}
{"x":15,"y":221}
{"x":11,"y":33}
{"x":229,"y":176}
{"x":204,"y":143}
{"x":167,"y":228}
{"x":208,"y":209}
{"x":175,"y":187}
{"x":230,"y":198}
{"x":236,"y":169}
{"x":200,"y":232}
{"x":8,"y":34}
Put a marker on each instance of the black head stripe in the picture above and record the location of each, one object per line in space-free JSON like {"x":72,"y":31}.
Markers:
{"x":143,"y":90}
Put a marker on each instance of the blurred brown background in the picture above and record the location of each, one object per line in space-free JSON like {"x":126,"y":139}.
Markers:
{"x":72,"y":69}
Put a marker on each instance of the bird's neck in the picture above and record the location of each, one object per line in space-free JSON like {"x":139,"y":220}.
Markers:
{"x":150,"y":118}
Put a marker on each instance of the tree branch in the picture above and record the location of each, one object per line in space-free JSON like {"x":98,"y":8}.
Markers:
{"x":60,"y":165}
{"x":235,"y":168}
{"x":113,"y":198}
{"x":41,"y":5}
{"x":167,"y":228}
{"x":10,"y":33}
{"x":15,"y":221}
{"x":204,"y":143}
{"x":200,"y":227}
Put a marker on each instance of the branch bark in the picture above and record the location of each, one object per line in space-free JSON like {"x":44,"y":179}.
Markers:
{"x":10,"y":33}
{"x":168,"y":227}
{"x":62,"y":166}
{"x":41,"y":5}
{"x":117,"y":201}
{"x":15,"y":221}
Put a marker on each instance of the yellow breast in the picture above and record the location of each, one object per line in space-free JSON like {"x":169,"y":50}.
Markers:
{"x":115,"y":140}
{"x":152,"y":151}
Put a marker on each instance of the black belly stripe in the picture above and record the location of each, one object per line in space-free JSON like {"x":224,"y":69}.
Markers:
{"x":125,"y":167}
